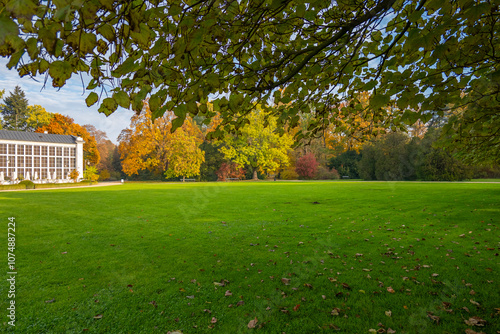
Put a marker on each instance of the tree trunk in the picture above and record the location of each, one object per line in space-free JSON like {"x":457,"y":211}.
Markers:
{"x":183,"y":178}
{"x":255,"y":174}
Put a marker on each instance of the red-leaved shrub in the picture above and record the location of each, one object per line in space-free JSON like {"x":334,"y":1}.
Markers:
{"x":230,"y":170}
{"x":307,"y":166}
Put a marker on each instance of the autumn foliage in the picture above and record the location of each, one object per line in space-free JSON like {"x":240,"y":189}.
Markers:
{"x":307,"y":166}
{"x":64,"y":125}
{"x":230,"y":170}
{"x":149,"y":145}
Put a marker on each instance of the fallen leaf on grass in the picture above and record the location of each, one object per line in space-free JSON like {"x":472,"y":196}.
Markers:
{"x":190,"y":297}
{"x":388,"y":313}
{"x":214,"y":320}
{"x":252,"y":323}
{"x":50,"y":301}
{"x":175,"y":332}
{"x":207,"y":310}
{"x":307,"y":285}
{"x":286,"y":281}
{"x":336,"y":311}
{"x":228,"y":293}
{"x":390,"y":289}
{"x":296,"y":307}
{"x":99,"y":316}
{"x":153,"y":303}
{"x":475,"y":321}
{"x":434,"y":318}
{"x":470,"y":331}
{"x":474,"y":302}
{"x":241,"y":302}
{"x":364,"y":269}
{"x":390,"y":331}
{"x":346,"y":286}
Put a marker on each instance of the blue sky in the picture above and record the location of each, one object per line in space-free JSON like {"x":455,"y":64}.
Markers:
{"x":69,"y":100}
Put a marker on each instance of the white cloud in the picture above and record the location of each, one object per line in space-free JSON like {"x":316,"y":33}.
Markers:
{"x":69,"y":100}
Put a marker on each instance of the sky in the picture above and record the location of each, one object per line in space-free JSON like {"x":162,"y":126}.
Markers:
{"x":69,"y":101}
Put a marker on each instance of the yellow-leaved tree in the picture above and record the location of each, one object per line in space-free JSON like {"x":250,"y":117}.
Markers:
{"x":258,"y":145}
{"x":352,"y":124}
{"x":149,"y":145}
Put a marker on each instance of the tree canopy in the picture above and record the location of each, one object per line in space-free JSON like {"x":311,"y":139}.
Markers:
{"x":426,"y":55}
{"x":64,"y":125}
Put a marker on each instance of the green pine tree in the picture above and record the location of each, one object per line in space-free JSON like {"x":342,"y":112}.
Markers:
{"x":15,"y":110}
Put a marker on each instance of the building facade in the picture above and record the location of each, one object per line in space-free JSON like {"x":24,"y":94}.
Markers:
{"x":39,"y":156}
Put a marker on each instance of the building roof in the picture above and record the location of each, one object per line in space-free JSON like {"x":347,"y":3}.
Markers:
{"x":37,"y":137}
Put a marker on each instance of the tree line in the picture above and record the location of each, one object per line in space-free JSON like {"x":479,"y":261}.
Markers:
{"x":361,"y":148}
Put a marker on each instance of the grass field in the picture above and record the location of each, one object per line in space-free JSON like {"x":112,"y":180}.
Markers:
{"x":298,"y":257}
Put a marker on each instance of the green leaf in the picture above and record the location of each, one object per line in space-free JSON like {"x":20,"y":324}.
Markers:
{"x":43,"y":66}
{"x":108,"y":106}
{"x":177,"y":123}
{"x":91,"y":99}
{"x":9,"y":27}
{"x":60,"y":71}
{"x":21,"y":8}
{"x":32,"y":47}
{"x":154,"y":102}
{"x":87,"y":42}
{"x":379,"y":100}
{"x":107,"y":31}
{"x":14,"y":59}
{"x":122,"y":99}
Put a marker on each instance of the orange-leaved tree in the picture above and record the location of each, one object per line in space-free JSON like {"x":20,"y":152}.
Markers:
{"x":64,"y":125}
{"x":150,"y":145}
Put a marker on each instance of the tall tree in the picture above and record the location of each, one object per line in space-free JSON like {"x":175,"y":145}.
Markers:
{"x":179,"y":53}
{"x":149,"y":145}
{"x":65,"y":125}
{"x":258,"y":145}
{"x":15,"y":110}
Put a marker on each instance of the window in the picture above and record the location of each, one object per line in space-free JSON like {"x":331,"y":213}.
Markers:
{"x":12,"y":149}
{"x":3,"y":161}
{"x":72,"y":163}
{"x":36,"y":161}
{"x":59,"y":174}
{"x":28,"y":161}
{"x":73,"y":152}
{"x":59,"y":151}
{"x":52,"y":162}
{"x":11,"y":161}
{"x":20,"y":149}
{"x":3,"y":148}
{"x":66,"y":151}
{"x":36,"y":150}
{"x":29,"y":150}
{"x":44,"y":161}
{"x":52,"y":151}
{"x":59,"y":162}
{"x":20,"y":161}
{"x":44,"y":150}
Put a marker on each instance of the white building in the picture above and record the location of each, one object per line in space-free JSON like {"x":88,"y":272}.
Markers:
{"x":39,"y":156}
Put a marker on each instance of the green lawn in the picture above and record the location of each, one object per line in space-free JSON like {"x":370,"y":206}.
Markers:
{"x":301,"y":257}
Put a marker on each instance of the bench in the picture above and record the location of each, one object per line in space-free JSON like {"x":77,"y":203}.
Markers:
{"x":188,"y":180}
{"x":345,"y":176}
{"x":232,"y":179}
